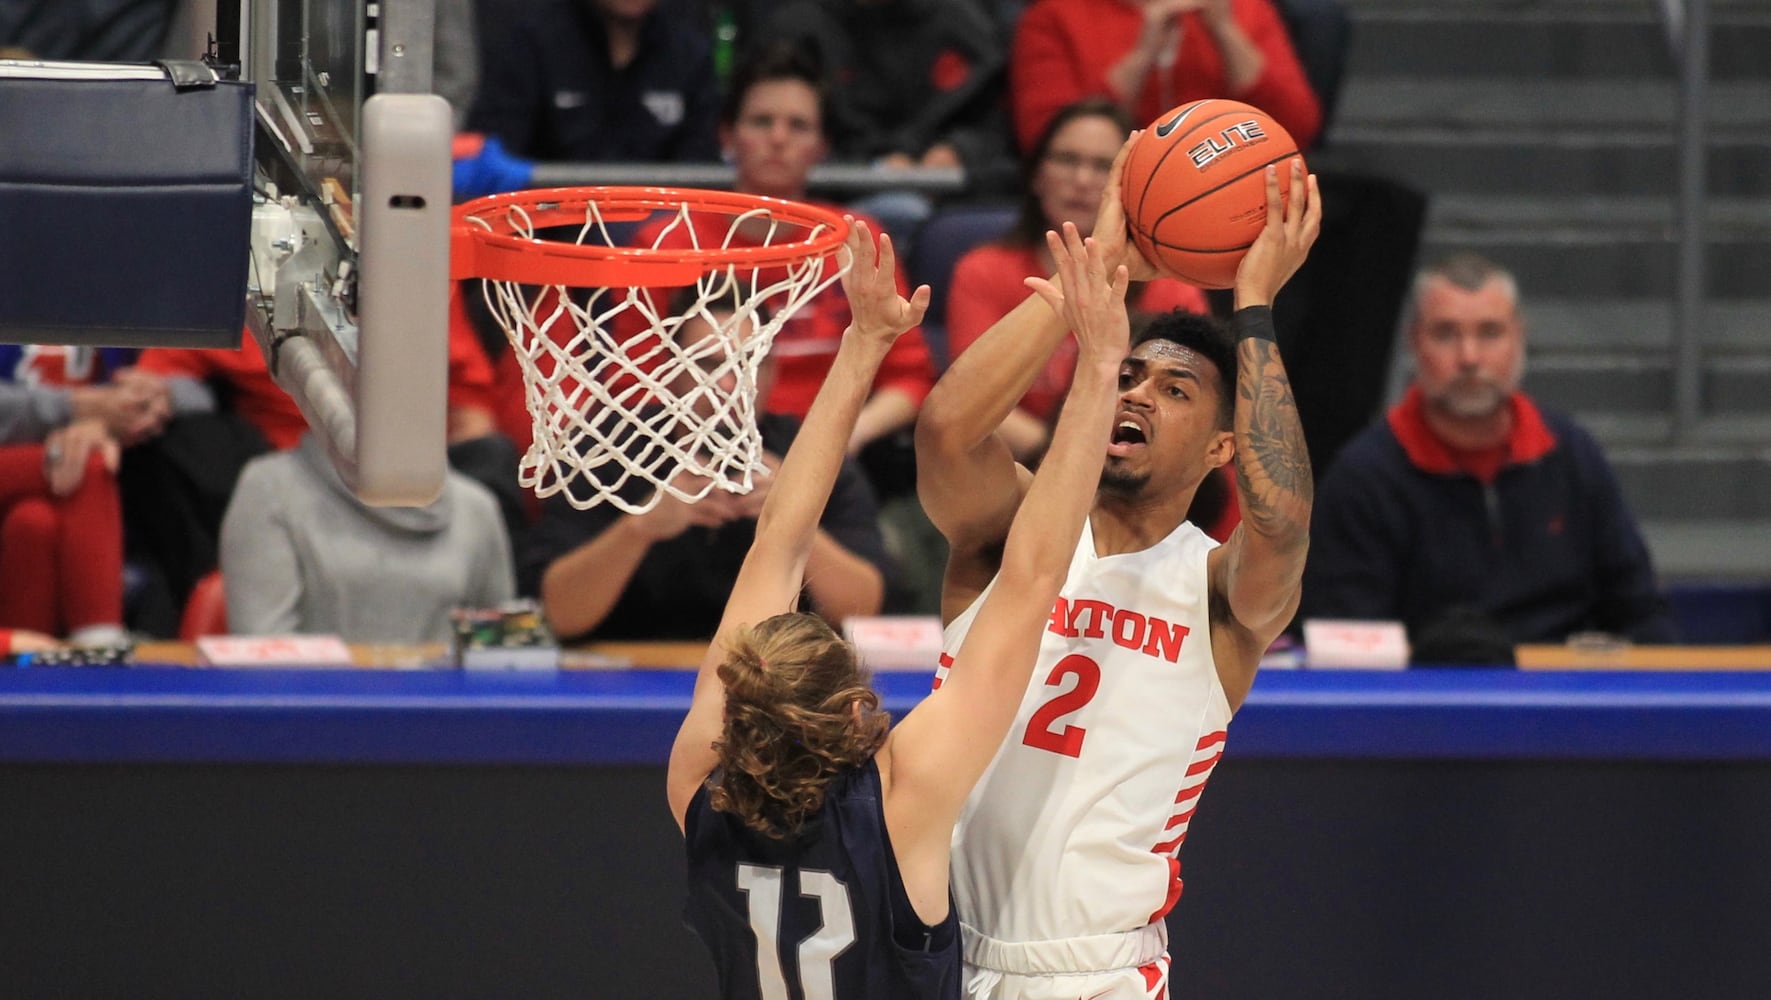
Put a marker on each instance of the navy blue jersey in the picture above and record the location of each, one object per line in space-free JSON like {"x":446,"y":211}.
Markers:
{"x":819,"y":916}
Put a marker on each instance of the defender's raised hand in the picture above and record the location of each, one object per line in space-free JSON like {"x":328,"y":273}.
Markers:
{"x":1092,"y":297}
{"x":877,"y":311}
{"x":1281,"y":247}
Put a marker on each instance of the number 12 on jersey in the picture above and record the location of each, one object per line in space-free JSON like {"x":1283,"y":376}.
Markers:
{"x":761,"y":884}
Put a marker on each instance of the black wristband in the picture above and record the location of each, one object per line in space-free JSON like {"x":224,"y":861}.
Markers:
{"x":1254,"y":323}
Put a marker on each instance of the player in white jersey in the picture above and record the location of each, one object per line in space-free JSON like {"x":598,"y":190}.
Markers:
{"x":1065,"y":859}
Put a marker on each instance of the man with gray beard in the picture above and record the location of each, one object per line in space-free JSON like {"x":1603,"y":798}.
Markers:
{"x":1469,"y":508}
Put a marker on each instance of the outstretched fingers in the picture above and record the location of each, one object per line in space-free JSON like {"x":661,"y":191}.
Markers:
{"x":1291,"y":229}
{"x":1056,"y":295}
{"x":1090,"y":294}
{"x":871,"y":284}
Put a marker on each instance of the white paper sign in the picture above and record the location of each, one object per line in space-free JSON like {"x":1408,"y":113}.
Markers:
{"x":896,"y":642}
{"x":1355,"y":645}
{"x":273,"y":651}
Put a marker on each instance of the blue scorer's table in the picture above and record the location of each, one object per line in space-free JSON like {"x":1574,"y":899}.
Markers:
{"x":1455,"y":834}
{"x":203,"y":715}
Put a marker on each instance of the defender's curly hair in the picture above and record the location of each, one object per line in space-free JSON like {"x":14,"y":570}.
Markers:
{"x":792,"y":690}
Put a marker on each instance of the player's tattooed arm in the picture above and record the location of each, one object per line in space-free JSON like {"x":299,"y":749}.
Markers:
{"x":1272,"y":461}
{"x":1264,"y":562}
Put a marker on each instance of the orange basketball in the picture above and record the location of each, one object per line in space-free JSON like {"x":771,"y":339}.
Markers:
{"x":1195,"y":188}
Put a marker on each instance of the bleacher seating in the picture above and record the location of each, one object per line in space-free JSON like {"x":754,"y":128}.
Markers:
{"x":941,"y":241}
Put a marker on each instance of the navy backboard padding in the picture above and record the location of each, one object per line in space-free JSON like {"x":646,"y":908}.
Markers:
{"x":125,"y":212}
{"x":940,"y":243}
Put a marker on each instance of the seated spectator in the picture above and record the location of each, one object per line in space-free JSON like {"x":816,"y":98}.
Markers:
{"x":772,"y":127}
{"x":1064,"y":173}
{"x":61,"y":533}
{"x":595,"y":80}
{"x":1472,"y":502}
{"x":301,"y":554}
{"x":227,"y":409}
{"x":665,"y":574}
{"x":1154,"y":55}
{"x":922,"y":84}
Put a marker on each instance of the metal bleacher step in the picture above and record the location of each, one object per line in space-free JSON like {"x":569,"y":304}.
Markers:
{"x":1710,"y":550}
{"x":1737,"y":107}
{"x":1604,"y":247}
{"x":1746,"y":433}
{"x":1561,"y":324}
{"x":1547,"y":159}
{"x":1546,"y":40}
{"x":1636,"y":383}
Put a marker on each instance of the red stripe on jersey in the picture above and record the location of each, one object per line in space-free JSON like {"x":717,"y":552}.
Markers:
{"x":946,"y":662}
{"x":1190,"y":792}
{"x":1174,"y":891}
{"x":1181,"y":818}
{"x":1212,"y":739}
{"x":1202,"y":766}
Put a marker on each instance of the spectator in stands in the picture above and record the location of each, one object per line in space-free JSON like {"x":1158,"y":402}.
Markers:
{"x":1154,"y":55}
{"x":1063,"y":176}
{"x":595,"y":80}
{"x":301,"y":554}
{"x":915,"y":83}
{"x":1470,"y":503}
{"x":666,"y":574}
{"x":227,"y":410}
{"x":61,"y":532}
{"x":772,"y":127}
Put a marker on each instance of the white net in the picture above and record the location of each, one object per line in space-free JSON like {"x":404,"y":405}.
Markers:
{"x":634,"y":392}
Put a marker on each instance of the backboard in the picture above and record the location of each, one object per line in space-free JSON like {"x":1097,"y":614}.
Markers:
{"x":347,"y":284}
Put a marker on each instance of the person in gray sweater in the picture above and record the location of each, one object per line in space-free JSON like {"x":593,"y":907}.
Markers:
{"x":299,"y":553}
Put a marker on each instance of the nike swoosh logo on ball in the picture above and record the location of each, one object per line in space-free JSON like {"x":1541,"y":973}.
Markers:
{"x":1166,"y":127}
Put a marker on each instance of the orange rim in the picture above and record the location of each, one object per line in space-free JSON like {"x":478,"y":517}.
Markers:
{"x":488,"y":243}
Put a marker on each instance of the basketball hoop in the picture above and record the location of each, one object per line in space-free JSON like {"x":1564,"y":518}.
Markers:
{"x":613,"y":397}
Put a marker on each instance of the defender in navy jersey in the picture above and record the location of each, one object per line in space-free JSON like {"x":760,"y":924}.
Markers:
{"x":818,"y":834}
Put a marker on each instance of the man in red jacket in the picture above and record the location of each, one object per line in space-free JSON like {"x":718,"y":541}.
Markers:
{"x":1471,"y":514}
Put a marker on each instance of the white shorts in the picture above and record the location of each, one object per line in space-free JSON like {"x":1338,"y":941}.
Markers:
{"x":1148,"y":982}
{"x":1130,"y":966}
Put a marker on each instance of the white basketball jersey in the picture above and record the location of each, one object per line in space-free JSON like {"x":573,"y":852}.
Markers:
{"x":1076,"y":826}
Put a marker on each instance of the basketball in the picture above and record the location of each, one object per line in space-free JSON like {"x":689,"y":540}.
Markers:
{"x":1195,"y":189}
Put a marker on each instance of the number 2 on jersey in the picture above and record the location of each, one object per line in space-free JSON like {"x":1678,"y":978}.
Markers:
{"x":762,"y":884}
{"x":1041,"y":734}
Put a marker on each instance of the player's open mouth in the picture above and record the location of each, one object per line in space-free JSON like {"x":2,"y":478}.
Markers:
{"x":1128,"y":435}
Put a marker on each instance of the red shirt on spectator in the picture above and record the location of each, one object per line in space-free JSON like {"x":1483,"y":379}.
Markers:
{"x":1064,"y":48}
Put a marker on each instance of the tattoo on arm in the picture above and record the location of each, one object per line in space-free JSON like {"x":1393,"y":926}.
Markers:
{"x":1272,"y":461}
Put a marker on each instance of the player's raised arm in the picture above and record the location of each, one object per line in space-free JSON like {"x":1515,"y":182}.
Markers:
{"x":774,"y":569}
{"x":939,"y":751}
{"x":966,"y":478}
{"x":1259,"y":570}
